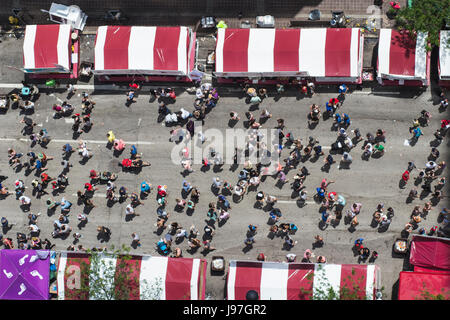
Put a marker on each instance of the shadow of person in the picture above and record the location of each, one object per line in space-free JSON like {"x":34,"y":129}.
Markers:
{"x":247,"y":248}
{"x":322,"y":225}
{"x":232,"y":123}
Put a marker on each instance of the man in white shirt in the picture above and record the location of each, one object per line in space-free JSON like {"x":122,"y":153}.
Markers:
{"x":33,"y":228}
{"x":136,"y":239}
{"x":24,"y":200}
{"x":347,"y":158}
{"x":181,"y":233}
{"x":290,"y":257}
{"x":129,"y":211}
{"x":217,"y":183}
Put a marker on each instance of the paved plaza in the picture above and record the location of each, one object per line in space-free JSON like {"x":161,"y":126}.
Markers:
{"x":368,"y":182}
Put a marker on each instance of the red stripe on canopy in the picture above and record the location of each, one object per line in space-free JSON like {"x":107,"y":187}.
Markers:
{"x":337,"y":52}
{"x":419,"y":285}
{"x":76,"y":277}
{"x":300,"y":281}
{"x":178,"y":275}
{"x":46,"y":46}
{"x":165,"y":49}
{"x":116,"y":47}
{"x":130,"y":270}
{"x":248,"y":277}
{"x":353,"y":282}
{"x":286,"y":49}
{"x":235,"y":50}
{"x":402,"y":54}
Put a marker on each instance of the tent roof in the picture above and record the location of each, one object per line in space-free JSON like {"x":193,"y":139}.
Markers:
{"x":47,"y":46}
{"x":23,"y":275}
{"x":400,"y":56}
{"x":413,"y":284}
{"x":430,"y":252}
{"x":138,"y":49}
{"x":174,"y":278}
{"x":317,"y":52}
{"x":299,"y":281}
{"x":444,"y":54}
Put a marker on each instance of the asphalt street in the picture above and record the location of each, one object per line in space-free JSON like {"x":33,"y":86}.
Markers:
{"x":368,"y":182}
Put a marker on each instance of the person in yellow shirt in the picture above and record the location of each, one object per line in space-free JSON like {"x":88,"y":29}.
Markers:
{"x":111,"y":137}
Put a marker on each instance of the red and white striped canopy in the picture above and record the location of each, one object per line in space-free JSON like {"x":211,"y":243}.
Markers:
{"x":289,"y":52}
{"x":142,"y":50}
{"x":161,"y":277}
{"x":47,"y":47}
{"x":299,"y":281}
{"x":444,"y":55}
{"x":401,"y":57}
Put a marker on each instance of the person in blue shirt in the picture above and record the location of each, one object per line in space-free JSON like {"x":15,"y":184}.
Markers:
{"x":145,"y":187}
{"x":186,"y":186}
{"x":133,"y":151}
{"x":65,"y":205}
{"x":343,"y":89}
{"x":67,"y":150}
{"x":130,"y":96}
{"x":337,"y":119}
{"x":276,"y":212}
{"x":273,"y":218}
{"x":325,"y":216}
{"x":329,"y":108}
{"x":358,"y":243}
{"x":243,"y":174}
{"x":225,"y":202}
{"x":318,"y":151}
{"x":417,"y":133}
{"x":252,"y":229}
{"x":346,"y":119}
{"x":39,"y":167}
{"x":320,"y":193}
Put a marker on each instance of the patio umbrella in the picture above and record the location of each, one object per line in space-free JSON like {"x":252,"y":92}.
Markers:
{"x":24,"y":275}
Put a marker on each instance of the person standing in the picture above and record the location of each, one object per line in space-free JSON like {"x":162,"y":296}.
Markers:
{"x":136,"y":242}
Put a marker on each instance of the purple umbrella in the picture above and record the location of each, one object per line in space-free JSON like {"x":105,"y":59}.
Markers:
{"x":24,"y":274}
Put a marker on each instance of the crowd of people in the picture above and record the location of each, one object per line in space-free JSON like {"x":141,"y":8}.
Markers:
{"x":293,"y":151}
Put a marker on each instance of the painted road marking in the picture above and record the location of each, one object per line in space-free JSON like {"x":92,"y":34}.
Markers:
{"x":96,"y":195}
{"x":295,"y":201}
{"x":87,"y":141}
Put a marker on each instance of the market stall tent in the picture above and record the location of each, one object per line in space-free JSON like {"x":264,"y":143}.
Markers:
{"x":402,"y":58}
{"x":172,"y":278}
{"x":327,"y":55}
{"x":136,"y":50}
{"x":47,"y":48}
{"x":300,"y":281}
{"x":430,"y":252}
{"x":51,"y":51}
{"x":444,"y":58}
{"x":24,"y":274}
{"x":414,"y":285}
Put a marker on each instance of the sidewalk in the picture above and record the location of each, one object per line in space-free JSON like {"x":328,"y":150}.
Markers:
{"x":189,"y":12}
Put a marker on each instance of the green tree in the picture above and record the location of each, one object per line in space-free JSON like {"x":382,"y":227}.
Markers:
{"x":109,"y":276}
{"x":349,"y":290}
{"x":425,"y":16}
{"x":444,"y":294}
